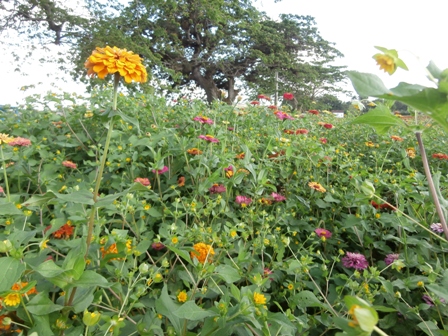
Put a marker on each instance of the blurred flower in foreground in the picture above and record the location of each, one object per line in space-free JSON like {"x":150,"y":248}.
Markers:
{"x":104,"y":61}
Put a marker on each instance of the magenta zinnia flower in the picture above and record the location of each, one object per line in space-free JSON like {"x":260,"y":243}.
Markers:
{"x":355,"y":260}
{"x":323,"y":140}
{"x":323,"y":233}
{"x":217,"y":188}
{"x":243,"y":200}
{"x":160,"y":171}
{"x":390,"y":258}
{"x":436,"y":227}
{"x":278,"y":197}
{"x":203,"y":120}
{"x":158,"y":246}
{"x":282,"y":115}
{"x":20,"y":142}
{"x":209,"y":138}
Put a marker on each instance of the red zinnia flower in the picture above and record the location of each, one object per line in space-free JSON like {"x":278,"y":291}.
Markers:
{"x":261,"y":96}
{"x":255,"y":103}
{"x":302,"y":131}
{"x":315,"y":112}
{"x":328,"y":126}
{"x":288,"y":96}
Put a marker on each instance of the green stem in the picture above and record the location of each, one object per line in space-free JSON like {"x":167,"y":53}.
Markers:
{"x":431,"y":186}
{"x":102,"y":164}
{"x":4,"y":174}
{"x":379,"y":331}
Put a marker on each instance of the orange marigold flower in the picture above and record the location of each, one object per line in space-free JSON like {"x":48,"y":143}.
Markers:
{"x":112,"y":249}
{"x":202,"y":252}
{"x":396,"y":138}
{"x":104,"y":61}
{"x":18,"y":286}
{"x":317,"y":186}
{"x":240,"y":155}
{"x":369,"y":144}
{"x":181,"y":181}
{"x":440,"y":156}
{"x":64,"y":232}
{"x":194,"y":151}
{"x":69,"y":164}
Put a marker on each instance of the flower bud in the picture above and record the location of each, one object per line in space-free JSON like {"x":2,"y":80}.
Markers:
{"x":90,"y":319}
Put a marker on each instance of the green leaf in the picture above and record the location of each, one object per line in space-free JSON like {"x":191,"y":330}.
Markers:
{"x":38,"y":200}
{"x":166,"y":307}
{"x":184,"y":254}
{"x":428,"y":327}
{"x":434,"y":70}
{"x":83,"y":299}
{"x":228,"y":273}
{"x":306,"y":299}
{"x":91,"y":279}
{"x":9,"y":209}
{"x":439,"y":291}
{"x":190,"y":311}
{"x":49,"y":269}
{"x":80,"y":197}
{"x":42,"y":305}
{"x":367,"y":85}
{"x":41,"y":326}
{"x":379,"y":118}
{"x":10,"y":272}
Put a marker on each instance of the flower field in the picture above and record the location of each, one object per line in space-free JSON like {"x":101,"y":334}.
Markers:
{"x":183,"y":218}
{"x":215,"y":220}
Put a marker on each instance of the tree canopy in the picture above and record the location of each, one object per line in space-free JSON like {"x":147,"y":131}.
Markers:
{"x":221,"y":45}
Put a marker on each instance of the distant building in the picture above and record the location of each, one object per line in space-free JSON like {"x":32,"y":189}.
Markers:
{"x":338,"y":113}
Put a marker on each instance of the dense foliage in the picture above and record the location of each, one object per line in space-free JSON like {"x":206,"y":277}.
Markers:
{"x":214,"y":220}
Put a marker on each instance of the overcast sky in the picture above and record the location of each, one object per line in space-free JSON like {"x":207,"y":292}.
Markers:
{"x":416,"y":29}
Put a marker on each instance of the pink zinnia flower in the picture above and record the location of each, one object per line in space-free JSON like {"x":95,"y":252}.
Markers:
{"x":323,"y":233}
{"x":229,"y":168}
{"x":261,"y":96}
{"x":390,"y":258}
{"x":282,"y":115}
{"x":20,"y":142}
{"x":288,"y":96}
{"x":436,"y":227}
{"x":278,"y":197}
{"x":203,"y":120}
{"x":217,"y":189}
{"x":1,"y":190}
{"x":302,"y":131}
{"x":328,"y":126}
{"x":143,"y":180}
{"x":355,"y":260}
{"x":243,"y":200}
{"x":208,"y":138}
{"x":69,"y":164}
{"x":160,"y":171}
{"x":323,"y":140}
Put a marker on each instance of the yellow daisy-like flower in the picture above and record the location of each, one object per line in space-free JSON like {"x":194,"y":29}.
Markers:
{"x":12,"y":299}
{"x":104,"y":61}
{"x":182,"y":296}
{"x":386,"y":63}
{"x":410,"y":152}
{"x":317,"y":186}
{"x":5,"y":138}
{"x":259,"y":299}
{"x":202,"y":252}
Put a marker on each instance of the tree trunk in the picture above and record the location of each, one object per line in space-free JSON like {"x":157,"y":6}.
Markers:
{"x":206,"y":82}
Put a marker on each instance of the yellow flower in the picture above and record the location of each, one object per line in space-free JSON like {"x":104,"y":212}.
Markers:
{"x":386,"y":63}
{"x":420,"y":284}
{"x":351,"y":312}
{"x":233,"y":233}
{"x":182,"y":297}
{"x":259,"y":298}
{"x":410,"y":152}
{"x":104,"y":61}
{"x":202,"y":252}
{"x":5,"y":138}
{"x":12,"y":299}
{"x":317,"y":186}
{"x":43,"y":245}
{"x":290,"y":286}
{"x":174,"y":240}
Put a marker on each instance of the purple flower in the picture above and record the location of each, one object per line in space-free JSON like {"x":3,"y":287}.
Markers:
{"x":278,"y":197}
{"x":355,"y":260}
{"x":243,"y":200}
{"x":324,"y":233}
{"x":429,"y":301}
{"x":217,"y":188}
{"x":160,"y":171}
{"x":390,"y":258}
{"x":436,"y":227}
{"x":158,"y":246}
{"x":229,"y":168}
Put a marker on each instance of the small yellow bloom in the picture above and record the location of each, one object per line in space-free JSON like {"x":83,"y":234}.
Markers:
{"x":5,"y":138}
{"x":386,"y":63}
{"x":182,"y":296}
{"x":420,"y":284}
{"x":233,"y":234}
{"x":12,"y":299}
{"x":259,"y":299}
{"x":174,"y":240}
{"x":377,"y":216}
{"x":290,"y":286}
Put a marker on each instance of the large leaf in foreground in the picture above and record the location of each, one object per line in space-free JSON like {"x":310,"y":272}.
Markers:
{"x":380,"y":118}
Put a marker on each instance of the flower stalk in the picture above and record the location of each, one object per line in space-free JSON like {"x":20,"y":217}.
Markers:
{"x":5,"y":176}
{"x":431,"y":185}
